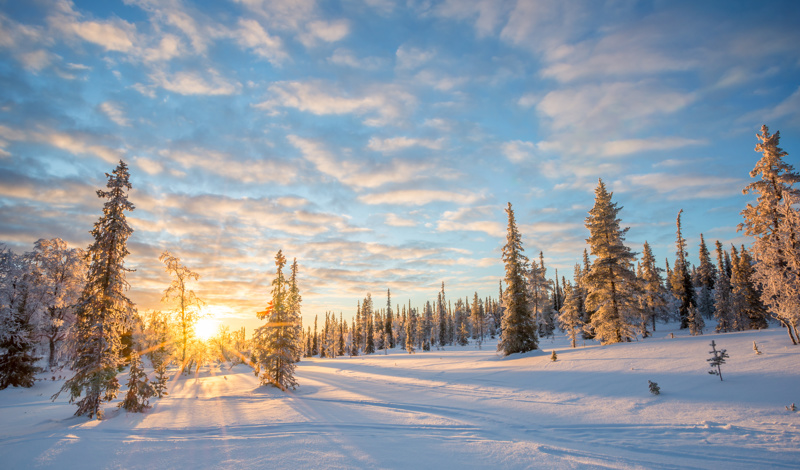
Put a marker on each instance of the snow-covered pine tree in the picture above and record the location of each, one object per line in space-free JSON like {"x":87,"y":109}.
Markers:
{"x":62,"y":277}
{"x":723,"y":295}
{"x":654,"y":295}
{"x":369,"y":332}
{"x":441,"y":319}
{"x":707,"y":275}
{"x":696,"y":322}
{"x":139,"y":388}
{"x":518,"y":326}
{"x":411,"y":329}
{"x":681,"y":281}
{"x":753,"y":314}
{"x":539,"y":288}
{"x":774,"y":222}
{"x":388,"y":332}
{"x":294,"y":301}
{"x":571,"y":317}
{"x":161,"y":379}
{"x":478,"y":319}
{"x":275,"y":345}
{"x":611,"y":282}
{"x":187,"y":306}
{"x":18,"y":305}
{"x":103,"y":311}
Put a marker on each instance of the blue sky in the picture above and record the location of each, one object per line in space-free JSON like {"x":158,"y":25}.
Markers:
{"x":379,"y":141}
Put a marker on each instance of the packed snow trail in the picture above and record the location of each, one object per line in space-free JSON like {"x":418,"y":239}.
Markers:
{"x":445,"y":409}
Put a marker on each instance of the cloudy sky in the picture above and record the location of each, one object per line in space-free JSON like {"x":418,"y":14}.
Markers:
{"x":378,"y":141}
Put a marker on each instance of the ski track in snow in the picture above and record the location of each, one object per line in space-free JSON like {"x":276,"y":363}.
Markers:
{"x":445,"y":409}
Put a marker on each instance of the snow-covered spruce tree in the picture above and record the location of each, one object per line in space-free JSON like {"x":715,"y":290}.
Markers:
{"x":775,"y":225}
{"x":275,"y":344}
{"x":518,"y":327}
{"x":478,"y":319}
{"x":696,"y":322}
{"x":187,"y":305}
{"x":441,"y":319}
{"x":157,"y":339}
{"x":389,"y":320}
{"x":611,"y":282}
{"x":294,"y":302}
{"x":723,"y":295}
{"x":706,"y":276}
{"x":752,"y":311}
{"x":139,"y":388}
{"x":653,"y":294}
{"x":62,"y":277}
{"x":681,"y":282}
{"x":411,"y":329}
{"x":103,"y":311}
{"x":539,"y":288}
{"x":18,"y":305}
{"x":571,"y":317}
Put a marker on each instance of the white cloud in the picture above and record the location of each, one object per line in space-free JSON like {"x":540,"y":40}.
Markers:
{"x":346,"y":57}
{"x":35,"y":60}
{"x":680,"y":187}
{"x":195,"y":83}
{"x":168,"y":48}
{"x":251,"y":35}
{"x":394,"y":220}
{"x":630,"y":146}
{"x":394,"y":144}
{"x":419,"y":197}
{"x":359,"y":174}
{"x":113,"y":111}
{"x":600,"y":107}
{"x":518,"y":151}
{"x":149,"y":166}
{"x":327,"y":31}
{"x":382,"y":104}
{"x":412,"y":58}
{"x":228,"y":166}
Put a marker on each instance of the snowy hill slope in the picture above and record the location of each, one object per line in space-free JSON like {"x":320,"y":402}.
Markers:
{"x":459,"y":408}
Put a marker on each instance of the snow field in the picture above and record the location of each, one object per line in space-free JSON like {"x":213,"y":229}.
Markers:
{"x":458,"y":408}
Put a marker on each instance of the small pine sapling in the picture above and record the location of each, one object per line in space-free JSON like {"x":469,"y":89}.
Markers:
{"x":716,"y":360}
{"x":755,"y":348}
{"x":654,"y":388}
{"x":139,"y":388}
{"x":554,"y":356}
{"x":161,"y":378}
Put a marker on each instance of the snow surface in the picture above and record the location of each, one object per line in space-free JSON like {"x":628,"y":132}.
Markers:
{"x":459,"y":408}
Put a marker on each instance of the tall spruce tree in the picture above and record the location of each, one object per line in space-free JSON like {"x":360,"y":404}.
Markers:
{"x":18,"y":306}
{"x":723,"y":301}
{"x":611,"y":282}
{"x":294,"y":300}
{"x":518,"y":326}
{"x":275,"y":342}
{"x":103,"y":311}
{"x":681,"y":281}
{"x":653,"y":295}
{"x":389,"y":321}
{"x":774,"y":222}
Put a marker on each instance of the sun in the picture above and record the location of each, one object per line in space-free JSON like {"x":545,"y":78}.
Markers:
{"x":206,"y":328}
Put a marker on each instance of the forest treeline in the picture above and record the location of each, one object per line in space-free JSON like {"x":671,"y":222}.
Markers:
{"x":69,"y":305}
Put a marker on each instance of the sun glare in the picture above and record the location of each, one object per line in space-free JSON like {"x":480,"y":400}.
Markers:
{"x":206,"y":328}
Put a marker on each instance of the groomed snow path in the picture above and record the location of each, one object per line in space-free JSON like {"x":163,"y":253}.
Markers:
{"x":459,"y":408}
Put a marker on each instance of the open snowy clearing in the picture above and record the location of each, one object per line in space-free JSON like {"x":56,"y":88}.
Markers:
{"x":460,"y":408}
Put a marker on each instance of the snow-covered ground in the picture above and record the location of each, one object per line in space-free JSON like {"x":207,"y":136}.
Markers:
{"x":459,"y":408}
